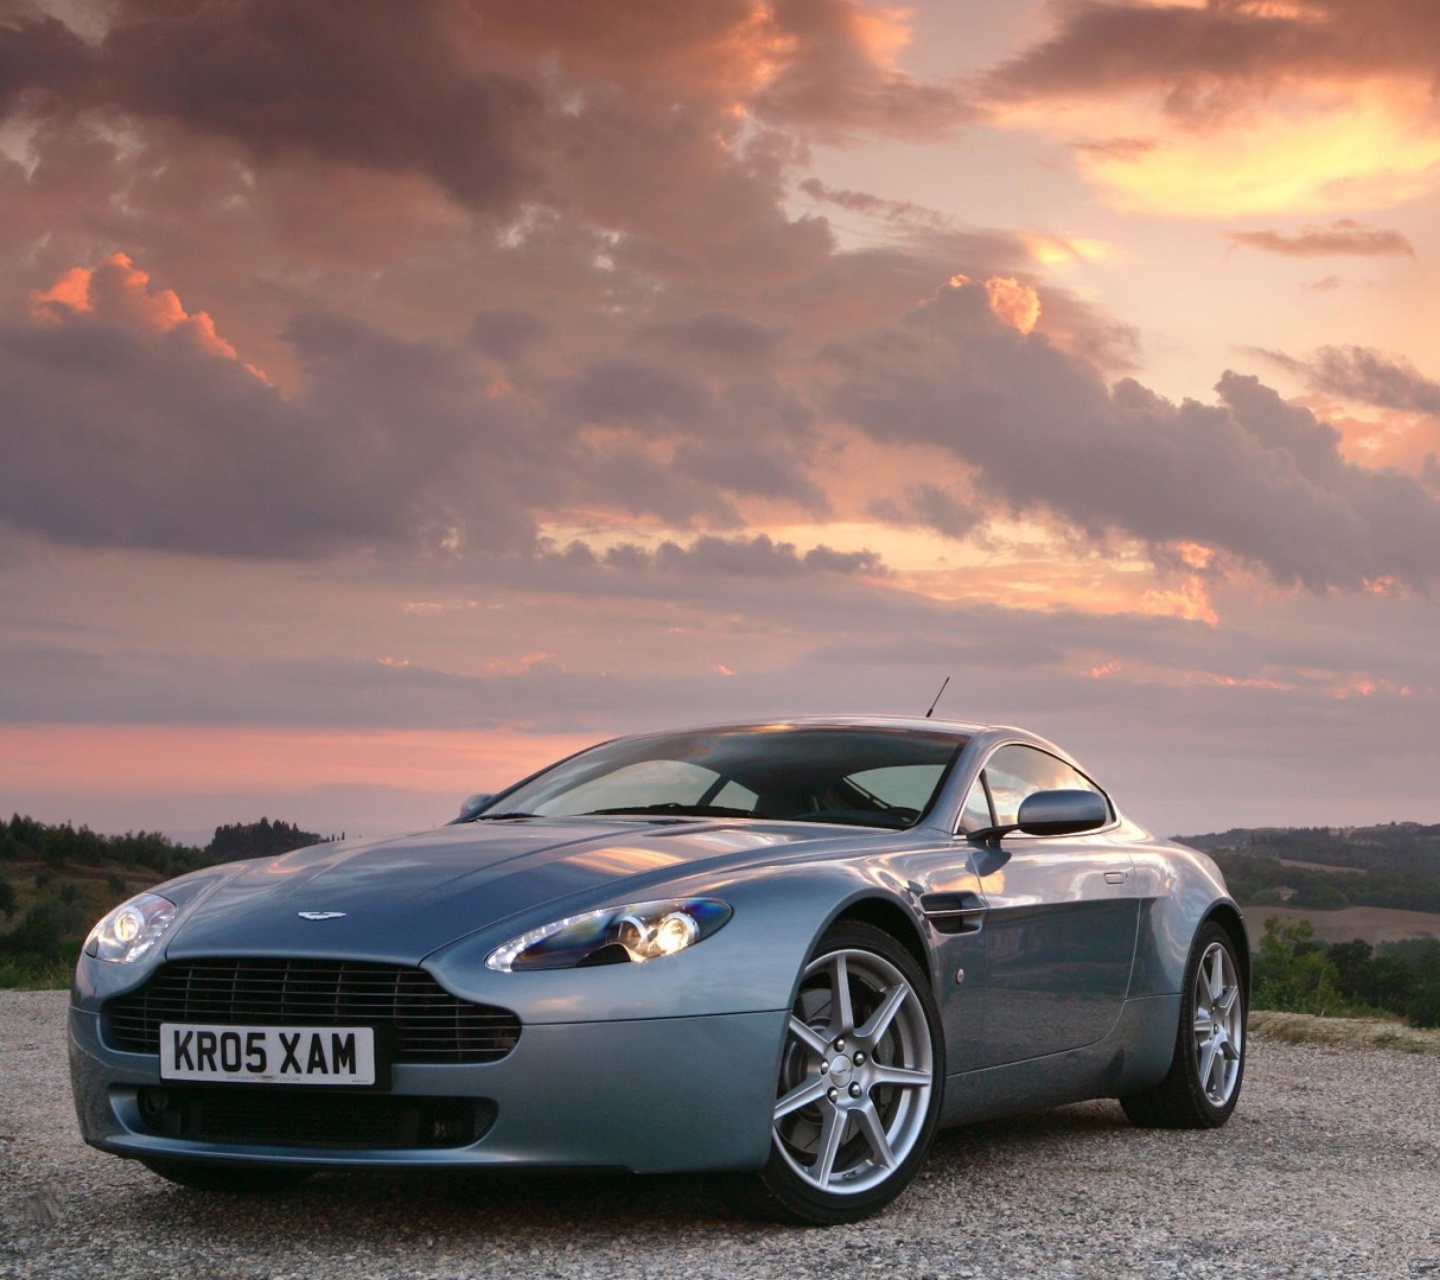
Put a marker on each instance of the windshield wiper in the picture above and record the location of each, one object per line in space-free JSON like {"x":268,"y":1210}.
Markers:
{"x":502,"y":817}
{"x":672,"y":807}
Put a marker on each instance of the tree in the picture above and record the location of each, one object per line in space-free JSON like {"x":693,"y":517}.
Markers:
{"x":258,"y":839}
{"x":1292,"y":972}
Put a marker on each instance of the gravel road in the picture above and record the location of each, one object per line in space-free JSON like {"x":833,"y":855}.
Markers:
{"x":1331,"y":1167}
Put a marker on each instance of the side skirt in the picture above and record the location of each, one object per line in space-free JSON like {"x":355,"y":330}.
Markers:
{"x":1134,"y":1056}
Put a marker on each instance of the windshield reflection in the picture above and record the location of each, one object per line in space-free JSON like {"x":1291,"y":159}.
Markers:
{"x":847,"y":775}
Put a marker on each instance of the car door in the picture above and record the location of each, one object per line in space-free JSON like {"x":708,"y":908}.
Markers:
{"x":1061,"y":917}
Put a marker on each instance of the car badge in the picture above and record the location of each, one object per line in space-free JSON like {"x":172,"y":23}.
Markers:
{"x":319,"y":915}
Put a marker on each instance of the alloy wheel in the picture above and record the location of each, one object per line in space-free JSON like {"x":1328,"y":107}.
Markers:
{"x":1219,"y":1025}
{"x":857,"y":1073}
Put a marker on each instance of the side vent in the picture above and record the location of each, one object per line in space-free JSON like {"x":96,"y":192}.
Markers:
{"x":954,"y":912}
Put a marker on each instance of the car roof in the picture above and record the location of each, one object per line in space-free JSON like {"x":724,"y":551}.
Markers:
{"x":984,"y":735}
{"x":955,"y":727}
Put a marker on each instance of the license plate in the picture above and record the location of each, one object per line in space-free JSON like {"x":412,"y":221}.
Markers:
{"x":269,"y":1055}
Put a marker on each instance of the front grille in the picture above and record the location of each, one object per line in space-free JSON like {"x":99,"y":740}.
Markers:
{"x":306,"y":1118}
{"x":418,"y":1018}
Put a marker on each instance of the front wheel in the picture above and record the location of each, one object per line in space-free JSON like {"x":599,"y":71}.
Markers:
{"x":1203,"y":1084}
{"x":861,"y":1077}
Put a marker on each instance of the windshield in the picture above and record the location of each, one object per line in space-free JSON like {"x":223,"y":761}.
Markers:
{"x":870,"y":777}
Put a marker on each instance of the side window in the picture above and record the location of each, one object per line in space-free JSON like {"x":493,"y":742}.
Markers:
{"x":1015,"y":772}
{"x":976,"y":814}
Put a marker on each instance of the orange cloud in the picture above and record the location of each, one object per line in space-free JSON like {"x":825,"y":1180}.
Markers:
{"x":1345,"y":236}
{"x":1195,"y":554}
{"x":1367,"y":687}
{"x":70,"y":292}
{"x":1312,"y":147}
{"x":1191,"y":601}
{"x":723,"y":51}
{"x":1231,"y":108}
{"x":827,"y":63}
{"x":520,"y":665}
{"x":1017,"y":304}
{"x":1049,"y":251}
{"x":1381,"y":438}
{"x":118,"y":290}
{"x":1055,"y":580}
{"x":881,"y":33}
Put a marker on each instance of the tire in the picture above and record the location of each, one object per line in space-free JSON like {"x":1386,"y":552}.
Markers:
{"x":848,"y":1139}
{"x":237,"y":1180}
{"x":1203,"y":1084}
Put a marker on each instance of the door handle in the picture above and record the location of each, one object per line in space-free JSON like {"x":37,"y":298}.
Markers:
{"x":1115,"y":877}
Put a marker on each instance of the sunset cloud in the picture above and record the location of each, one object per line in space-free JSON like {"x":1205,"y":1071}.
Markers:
{"x":351,"y":85}
{"x":931,"y":506}
{"x":757,"y":556}
{"x":1015,"y":303}
{"x":634,"y":362}
{"x":1366,"y":376}
{"x":828,"y":65}
{"x":841,"y":73}
{"x":1043,"y":429}
{"x":1213,"y":60}
{"x":1237,"y":109}
{"x":1344,"y":237}
{"x":117,"y":290}
{"x":129,"y":422}
{"x":871,"y":205}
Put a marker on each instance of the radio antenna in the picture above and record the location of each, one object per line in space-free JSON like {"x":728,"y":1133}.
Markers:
{"x":936,"y":703}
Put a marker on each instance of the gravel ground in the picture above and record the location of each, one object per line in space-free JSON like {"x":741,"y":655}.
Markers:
{"x":1330,"y":1167}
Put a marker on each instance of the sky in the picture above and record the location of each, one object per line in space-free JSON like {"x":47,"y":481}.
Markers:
{"x":395,"y":397}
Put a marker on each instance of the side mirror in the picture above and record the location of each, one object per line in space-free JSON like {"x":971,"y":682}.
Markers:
{"x":472,"y":806}
{"x":1062,"y":813}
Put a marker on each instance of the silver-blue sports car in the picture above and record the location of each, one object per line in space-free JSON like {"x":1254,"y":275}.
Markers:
{"x":784,"y":952}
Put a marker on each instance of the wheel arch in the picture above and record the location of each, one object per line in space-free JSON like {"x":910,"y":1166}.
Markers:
{"x":1227,"y":916}
{"x":889,"y":917}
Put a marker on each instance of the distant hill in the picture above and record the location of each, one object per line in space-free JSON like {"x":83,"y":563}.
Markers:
{"x":1404,"y":846}
{"x":1393,"y":865}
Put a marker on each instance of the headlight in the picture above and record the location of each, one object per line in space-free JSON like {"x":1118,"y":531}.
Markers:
{"x":129,"y":931}
{"x":615,"y":935}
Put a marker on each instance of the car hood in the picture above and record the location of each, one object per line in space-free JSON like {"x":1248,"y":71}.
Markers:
{"x":397,"y":900}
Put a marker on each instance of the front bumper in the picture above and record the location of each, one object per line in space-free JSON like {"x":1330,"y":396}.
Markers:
{"x":650,"y":1095}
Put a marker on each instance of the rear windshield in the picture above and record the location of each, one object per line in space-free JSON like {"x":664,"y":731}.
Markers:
{"x":872,"y":777}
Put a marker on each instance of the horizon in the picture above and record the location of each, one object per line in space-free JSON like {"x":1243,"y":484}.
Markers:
{"x":200,"y":837}
{"x":393,"y":401}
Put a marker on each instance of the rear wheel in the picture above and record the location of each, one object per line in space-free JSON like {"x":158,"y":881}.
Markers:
{"x":1203,"y":1084}
{"x":861,"y":1077}
{"x":238,"y":1180}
